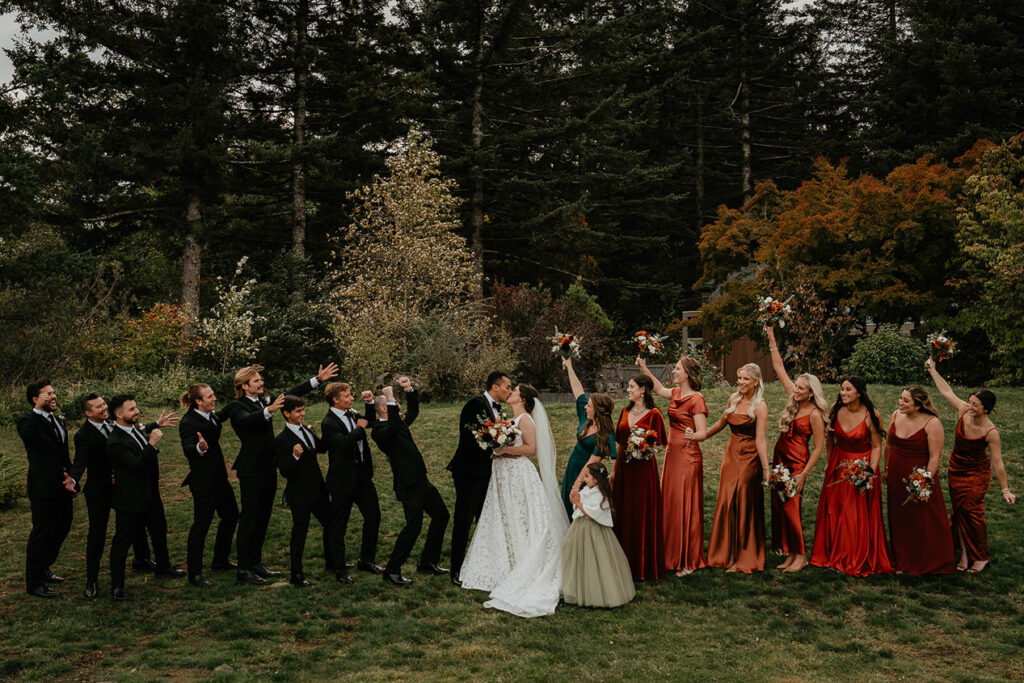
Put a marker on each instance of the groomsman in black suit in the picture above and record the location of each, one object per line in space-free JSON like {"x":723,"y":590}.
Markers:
{"x":136,"y":492}
{"x":50,"y":487}
{"x":91,"y":456}
{"x":471,"y":465}
{"x":252,"y":419}
{"x":417,"y":495}
{"x":207,"y":479}
{"x":350,"y":476}
{"x":295,"y":449}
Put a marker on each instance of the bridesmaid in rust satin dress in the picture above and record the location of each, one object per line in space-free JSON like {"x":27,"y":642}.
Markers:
{"x":737,"y":532}
{"x":970,"y":471}
{"x":802,"y":419}
{"x":636,"y":493}
{"x":919,"y":530}
{"x":682,"y":478}
{"x":849,"y":536}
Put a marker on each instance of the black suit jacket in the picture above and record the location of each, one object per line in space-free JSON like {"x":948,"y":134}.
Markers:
{"x":136,"y":472}
{"x":91,"y":454}
{"x":470,"y":460}
{"x":305,"y":480}
{"x":343,"y":451}
{"x":48,"y":456}
{"x":393,"y":437}
{"x":206,"y":470}
{"x":256,"y":456}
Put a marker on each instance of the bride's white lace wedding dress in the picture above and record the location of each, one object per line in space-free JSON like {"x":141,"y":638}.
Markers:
{"x":515,"y":553}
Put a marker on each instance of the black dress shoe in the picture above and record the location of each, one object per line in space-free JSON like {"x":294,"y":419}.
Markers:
{"x":50,"y":577}
{"x":344,"y":577}
{"x":369,"y":567}
{"x":259,"y":570}
{"x":200,"y":581}
{"x":43,"y":591}
{"x":397,"y":579}
{"x":170,"y":571}
{"x":144,"y":565}
{"x":430,"y":568}
{"x":246,"y":576}
{"x":455,"y":579}
{"x":300,"y":580}
{"x":118,"y":594}
{"x":91,"y":590}
{"x":223,"y":566}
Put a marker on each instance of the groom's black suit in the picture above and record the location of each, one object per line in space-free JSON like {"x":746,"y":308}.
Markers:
{"x":412,"y":487}
{"x":471,"y":473}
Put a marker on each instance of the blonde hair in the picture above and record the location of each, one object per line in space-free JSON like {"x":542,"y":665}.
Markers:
{"x":332,"y":390}
{"x":244,"y":375}
{"x":754,"y":371}
{"x":191,"y":395}
{"x":792,"y":406}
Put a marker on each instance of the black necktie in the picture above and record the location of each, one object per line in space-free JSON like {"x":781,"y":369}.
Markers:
{"x":138,"y":437}
{"x":305,"y":437}
{"x":105,"y":429}
{"x":56,"y":428}
{"x":351,"y":428}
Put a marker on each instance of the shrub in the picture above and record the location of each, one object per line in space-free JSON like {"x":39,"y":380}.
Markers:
{"x":887,"y":357}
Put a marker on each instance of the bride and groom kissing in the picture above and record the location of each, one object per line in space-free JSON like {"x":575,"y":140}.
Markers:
{"x":515,"y":553}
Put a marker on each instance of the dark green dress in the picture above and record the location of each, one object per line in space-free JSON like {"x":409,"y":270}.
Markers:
{"x":581,"y":452}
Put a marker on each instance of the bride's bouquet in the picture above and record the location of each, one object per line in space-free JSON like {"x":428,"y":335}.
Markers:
{"x":856,"y":472}
{"x":781,"y":480}
{"x":565,"y":344}
{"x":648,"y":344}
{"x":493,"y":435}
{"x":941,"y":345}
{"x":772,"y":311}
{"x":642,"y":444}
{"x":919,"y":485}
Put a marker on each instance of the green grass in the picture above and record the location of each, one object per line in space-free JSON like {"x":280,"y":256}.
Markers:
{"x":807,"y":626}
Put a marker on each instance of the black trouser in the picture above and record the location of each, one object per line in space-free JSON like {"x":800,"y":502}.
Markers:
{"x":126,"y":529}
{"x":421,"y":498}
{"x":469,"y":503}
{"x":300,"y":527}
{"x":220,"y":500}
{"x":364,"y":495}
{"x":258,"y":494}
{"x":51,"y":521}
{"x":98,"y":504}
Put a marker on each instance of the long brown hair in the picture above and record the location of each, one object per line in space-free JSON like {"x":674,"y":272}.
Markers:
{"x":692,"y":369}
{"x":647,"y":386}
{"x":603,"y":407}
{"x":191,"y":395}
{"x":921,"y":399}
{"x":600,"y":474}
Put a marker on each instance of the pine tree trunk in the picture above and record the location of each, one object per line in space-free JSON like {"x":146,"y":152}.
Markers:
{"x":477,"y":201}
{"x":745,"y":136}
{"x":298,"y":165}
{"x":190,"y":265}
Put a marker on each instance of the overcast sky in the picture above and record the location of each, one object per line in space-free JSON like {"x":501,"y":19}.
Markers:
{"x":8,"y":28}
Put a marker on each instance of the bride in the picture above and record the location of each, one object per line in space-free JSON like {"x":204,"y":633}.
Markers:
{"x":515,"y":553}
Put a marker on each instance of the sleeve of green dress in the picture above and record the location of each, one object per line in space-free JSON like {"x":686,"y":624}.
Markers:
{"x":581,"y":411}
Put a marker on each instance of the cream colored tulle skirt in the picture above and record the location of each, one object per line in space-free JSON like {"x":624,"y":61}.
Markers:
{"x":595,"y":572}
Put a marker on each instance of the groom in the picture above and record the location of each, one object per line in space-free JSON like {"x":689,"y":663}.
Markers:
{"x":471,"y":466}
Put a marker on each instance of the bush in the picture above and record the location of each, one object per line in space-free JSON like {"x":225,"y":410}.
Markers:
{"x":887,"y":357}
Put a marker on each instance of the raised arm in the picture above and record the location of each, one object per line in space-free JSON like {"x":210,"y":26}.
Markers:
{"x":777,"y":364}
{"x":659,"y":388}
{"x":995,"y":447}
{"x":944,"y":388}
{"x":574,"y":381}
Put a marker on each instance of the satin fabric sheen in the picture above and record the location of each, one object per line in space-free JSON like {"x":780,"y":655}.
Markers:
{"x":737,"y":532}
{"x":792,"y":451}
{"x":636,"y":495}
{"x":682,"y":486}
{"x":849,"y":536}
{"x":970,"y":472}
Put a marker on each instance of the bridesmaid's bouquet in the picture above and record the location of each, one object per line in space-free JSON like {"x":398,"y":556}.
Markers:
{"x":919,"y":485}
{"x":856,"y":472}
{"x":941,"y":345}
{"x":648,"y":345}
{"x":565,"y":344}
{"x":781,"y":480}
{"x":772,"y":311}
{"x":642,"y":444}
{"x":493,"y":435}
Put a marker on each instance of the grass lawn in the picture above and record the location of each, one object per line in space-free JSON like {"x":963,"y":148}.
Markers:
{"x":812,"y":625}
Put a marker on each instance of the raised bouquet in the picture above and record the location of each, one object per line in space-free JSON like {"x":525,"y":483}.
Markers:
{"x":648,"y":344}
{"x":941,"y":345}
{"x":493,"y":435}
{"x":856,"y":472}
{"x":772,"y":311}
{"x":919,"y":485}
{"x":643,"y":444}
{"x":781,"y":480}
{"x":565,"y":344}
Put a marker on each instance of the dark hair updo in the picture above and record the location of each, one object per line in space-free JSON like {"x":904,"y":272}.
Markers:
{"x":529,"y":396}
{"x":646,"y":384}
{"x":987,"y":398}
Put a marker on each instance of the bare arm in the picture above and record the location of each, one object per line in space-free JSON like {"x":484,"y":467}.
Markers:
{"x":760,"y":437}
{"x":777,"y":364}
{"x":574,"y":381}
{"x":995,"y":447}
{"x":702,"y":434}
{"x":944,"y":388}
{"x":887,"y":451}
{"x":659,"y":388}
{"x":818,"y":435}
{"x":529,"y":446}
{"x":936,"y":441}
{"x":876,"y":444}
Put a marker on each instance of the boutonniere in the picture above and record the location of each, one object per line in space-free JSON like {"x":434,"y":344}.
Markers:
{"x":60,"y":417}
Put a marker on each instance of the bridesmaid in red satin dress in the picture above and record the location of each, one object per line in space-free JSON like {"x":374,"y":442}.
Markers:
{"x":919,"y":530}
{"x":970,"y":471}
{"x":682,"y":479}
{"x":737,"y":532}
{"x":849,"y":536}
{"x":802,"y":419}
{"x":636,"y":494}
